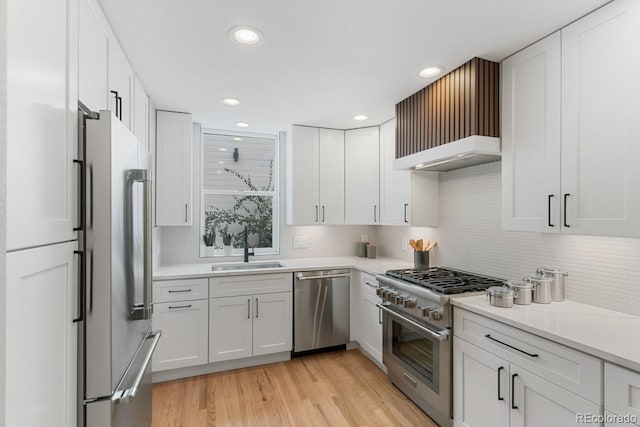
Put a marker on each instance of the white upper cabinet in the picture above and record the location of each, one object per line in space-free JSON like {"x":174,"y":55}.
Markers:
{"x":141,"y":114}
{"x":41,"y":130}
{"x":406,"y":198}
{"x":600,"y":125}
{"x":93,"y":58}
{"x":121,"y":85}
{"x":362,"y":176}
{"x":315,"y":176}
{"x":531,"y":132}
{"x":174,"y":163}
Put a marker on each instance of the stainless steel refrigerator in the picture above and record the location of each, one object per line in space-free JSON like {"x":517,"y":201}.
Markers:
{"x":116,"y":340}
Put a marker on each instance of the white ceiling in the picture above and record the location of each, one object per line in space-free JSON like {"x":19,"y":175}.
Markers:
{"x":321,"y":61}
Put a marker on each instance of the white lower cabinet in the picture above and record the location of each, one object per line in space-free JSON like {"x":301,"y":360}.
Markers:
{"x":181,"y":312}
{"x":41,"y":341}
{"x":493,"y":389}
{"x":621,"y":396}
{"x":272,"y":323}
{"x":184,"y":326}
{"x":370,"y":320}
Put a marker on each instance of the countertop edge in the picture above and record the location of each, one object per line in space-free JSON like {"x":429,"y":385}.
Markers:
{"x":568,"y":342}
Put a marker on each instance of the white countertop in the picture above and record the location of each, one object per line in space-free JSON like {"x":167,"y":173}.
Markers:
{"x":372,"y":266}
{"x":603,"y":333}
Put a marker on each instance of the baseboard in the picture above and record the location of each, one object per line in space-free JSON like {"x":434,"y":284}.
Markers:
{"x":227,"y":365}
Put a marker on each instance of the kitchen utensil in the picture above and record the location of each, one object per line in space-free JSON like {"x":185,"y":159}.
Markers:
{"x":523,"y":292}
{"x":431,"y":246}
{"x":419,"y":245}
{"x":501,"y":296}
{"x":371,"y":251}
{"x":541,"y":289}
{"x":420,"y":260}
{"x":412,"y":243}
{"x":558,"y":285}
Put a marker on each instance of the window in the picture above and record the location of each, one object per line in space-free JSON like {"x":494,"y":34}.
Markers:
{"x":239,"y":191}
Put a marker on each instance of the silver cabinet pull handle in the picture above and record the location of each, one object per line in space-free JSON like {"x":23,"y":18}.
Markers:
{"x":406,"y":205}
{"x":256,"y":308}
{"x":180,"y":291}
{"x":249,"y":308}
{"x":375,"y":213}
{"x":322,"y":213}
{"x":186,"y":209}
{"x":316,"y":213}
{"x":173,"y":307}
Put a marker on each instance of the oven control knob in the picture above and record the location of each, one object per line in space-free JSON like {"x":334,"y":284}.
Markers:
{"x":435,"y":315}
{"x":424,"y":311}
{"x":399,"y":299}
{"x":409,"y":303}
{"x":390,"y":296}
{"x":380,"y":292}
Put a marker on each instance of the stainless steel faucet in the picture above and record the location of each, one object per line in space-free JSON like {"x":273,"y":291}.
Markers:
{"x":247,"y":254}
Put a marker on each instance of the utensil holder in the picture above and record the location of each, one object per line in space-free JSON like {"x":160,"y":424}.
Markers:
{"x":362,"y":249}
{"x":372,"y":251}
{"x":420,"y":260}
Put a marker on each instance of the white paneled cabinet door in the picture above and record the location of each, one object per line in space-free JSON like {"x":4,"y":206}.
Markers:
{"x":174,"y":163}
{"x":93,"y":58}
{"x":141,"y":114}
{"x":121,"y":85}
{"x":272,"y":331}
{"x":531,"y":137}
{"x":40,"y":143}
{"x":331,"y":176}
{"x":302,"y":164}
{"x":600,"y":126}
{"x":395,"y":185}
{"x":41,"y":340}
{"x":371,"y":326}
{"x":480,"y":387}
{"x":538,"y":403}
{"x":185,"y":334}
{"x":362,"y":178}
{"x":230,"y":328}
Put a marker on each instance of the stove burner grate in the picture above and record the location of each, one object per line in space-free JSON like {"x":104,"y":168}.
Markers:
{"x":445,"y":280}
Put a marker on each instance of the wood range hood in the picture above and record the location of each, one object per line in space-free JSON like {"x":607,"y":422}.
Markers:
{"x":452,"y":123}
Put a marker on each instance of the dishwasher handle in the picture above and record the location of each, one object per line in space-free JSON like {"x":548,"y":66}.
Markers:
{"x":301,"y":276}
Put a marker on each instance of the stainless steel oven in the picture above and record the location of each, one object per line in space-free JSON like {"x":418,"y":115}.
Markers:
{"x":418,"y":360}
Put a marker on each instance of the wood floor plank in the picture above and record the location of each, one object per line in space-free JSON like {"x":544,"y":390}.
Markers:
{"x":341,"y":388}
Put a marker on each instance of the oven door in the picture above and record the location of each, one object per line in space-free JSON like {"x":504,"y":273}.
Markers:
{"x":418,"y":361}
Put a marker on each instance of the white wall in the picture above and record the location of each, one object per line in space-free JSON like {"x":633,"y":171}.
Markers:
{"x":3,"y":197}
{"x":178,"y":245}
{"x":603,"y":271}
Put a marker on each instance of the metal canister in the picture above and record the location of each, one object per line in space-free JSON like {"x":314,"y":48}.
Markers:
{"x":500,"y":296}
{"x":541,"y":289}
{"x":523,"y":292}
{"x":558,"y":286}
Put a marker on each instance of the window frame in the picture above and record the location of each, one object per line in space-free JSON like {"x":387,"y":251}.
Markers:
{"x":275,"y":194}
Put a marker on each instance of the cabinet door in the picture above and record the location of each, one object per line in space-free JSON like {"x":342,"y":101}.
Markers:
{"x":531,"y":132}
{"x":41,"y":341}
{"x":480,"y":387}
{"x":302,"y":163}
{"x":121,"y":80}
{"x":615,"y":420}
{"x":600,"y":126}
{"x":622,"y":391}
{"x":41,"y":144}
{"x":539,"y":403}
{"x":395,"y":185}
{"x":331,"y":176}
{"x":141,"y":114}
{"x":185,"y":334}
{"x":272,"y":323}
{"x":361,"y":174}
{"x":174,"y":163}
{"x":230,"y":326}
{"x":371,"y":324}
{"x":93,"y":58}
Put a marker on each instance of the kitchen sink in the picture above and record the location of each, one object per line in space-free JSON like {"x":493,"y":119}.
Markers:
{"x":245,"y":266}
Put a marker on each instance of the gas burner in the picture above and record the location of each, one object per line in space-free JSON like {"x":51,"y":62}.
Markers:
{"x":445,"y":280}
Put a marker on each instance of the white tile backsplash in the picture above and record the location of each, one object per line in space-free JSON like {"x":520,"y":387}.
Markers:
{"x":603,"y":271}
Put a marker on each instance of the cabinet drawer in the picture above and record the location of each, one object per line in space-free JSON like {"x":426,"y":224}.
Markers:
{"x":368,"y":284}
{"x":622,"y":391}
{"x":250,"y":285}
{"x":180,"y":290}
{"x":563,"y":366}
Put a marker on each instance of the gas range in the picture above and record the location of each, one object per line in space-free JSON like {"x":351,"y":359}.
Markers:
{"x":424,"y":294}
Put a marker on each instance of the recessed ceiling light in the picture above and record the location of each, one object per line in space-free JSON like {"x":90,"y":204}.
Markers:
{"x":219,"y":171}
{"x":222,"y":149}
{"x":232,"y":102}
{"x":237,"y":138}
{"x":242,"y":124}
{"x":360,"y":117}
{"x":222,"y":163}
{"x":245,"y":35}
{"x":429,"y":72}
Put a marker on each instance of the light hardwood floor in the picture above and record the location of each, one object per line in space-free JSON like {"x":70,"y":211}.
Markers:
{"x":330,"y":389}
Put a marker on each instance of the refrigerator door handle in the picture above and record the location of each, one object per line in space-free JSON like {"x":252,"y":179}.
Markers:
{"x":127,"y":396}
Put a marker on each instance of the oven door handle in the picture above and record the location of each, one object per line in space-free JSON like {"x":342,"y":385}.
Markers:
{"x":440,"y":336}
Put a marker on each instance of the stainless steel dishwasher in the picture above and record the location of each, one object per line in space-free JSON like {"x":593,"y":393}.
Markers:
{"x":321,"y":309}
